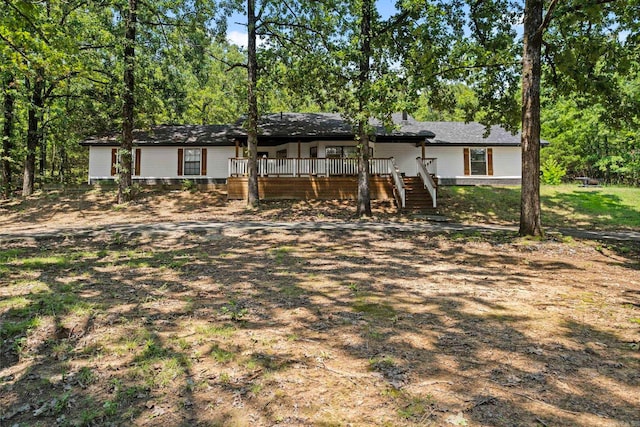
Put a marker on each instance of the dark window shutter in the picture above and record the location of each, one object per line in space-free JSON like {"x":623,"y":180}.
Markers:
{"x":467,"y":162}
{"x":489,"y":161}
{"x":180,"y":160}
{"x":137,"y":165}
{"x":114,"y":160}
{"x":203,"y":162}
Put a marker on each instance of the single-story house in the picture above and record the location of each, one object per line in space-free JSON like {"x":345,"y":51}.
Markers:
{"x":314,"y":155}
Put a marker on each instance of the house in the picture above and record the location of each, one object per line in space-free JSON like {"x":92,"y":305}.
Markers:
{"x":313,"y":155}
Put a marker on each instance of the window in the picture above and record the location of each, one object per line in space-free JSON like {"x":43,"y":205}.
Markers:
{"x":478,"y":161}
{"x":281,"y":154}
{"x":313,"y":152}
{"x":135,"y":161}
{"x":192,"y":161}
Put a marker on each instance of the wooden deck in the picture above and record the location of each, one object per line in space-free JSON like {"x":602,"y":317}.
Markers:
{"x":310,"y":187}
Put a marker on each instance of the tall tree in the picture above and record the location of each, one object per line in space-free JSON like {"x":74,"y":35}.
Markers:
{"x":35,"y":110}
{"x":7,"y":133}
{"x":128,"y":105}
{"x":253,"y":197}
{"x":530,"y":216}
{"x":340,"y":51}
{"x":577,"y":46}
{"x":364,"y":192}
{"x":587,"y":48}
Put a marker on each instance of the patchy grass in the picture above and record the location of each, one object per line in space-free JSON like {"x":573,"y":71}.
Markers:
{"x":318,"y":328}
{"x":606,"y":208}
{"x":255,"y":327}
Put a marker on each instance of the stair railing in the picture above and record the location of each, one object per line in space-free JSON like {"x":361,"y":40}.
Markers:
{"x":428,"y":182}
{"x":400,"y":193}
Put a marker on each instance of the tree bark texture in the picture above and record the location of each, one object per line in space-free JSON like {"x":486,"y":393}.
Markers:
{"x":253,"y":197}
{"x":7,"y":134}
{"x":530,"y":222}
{"x":128,"y":106}
{"x":364,"y":192}
{"x":36,"y":105}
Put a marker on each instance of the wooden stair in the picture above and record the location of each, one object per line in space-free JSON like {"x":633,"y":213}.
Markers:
{"x":417,"y":197}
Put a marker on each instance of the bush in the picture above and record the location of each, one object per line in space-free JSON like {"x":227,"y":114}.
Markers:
{"x":189,"y":185}
{"x":552,"y":172}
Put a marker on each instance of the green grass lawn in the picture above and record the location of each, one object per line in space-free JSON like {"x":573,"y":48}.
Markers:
{"x":606,"y":208}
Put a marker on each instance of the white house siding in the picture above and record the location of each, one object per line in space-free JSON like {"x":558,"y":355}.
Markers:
{"x":450,"y":166}
{"x":99,"y":163}
{"x":450,"y":161}
{"x":291,"y":147}
{"x":405,"y":155}
{"x":509,"y":163}
{"x":218,"y":161}
{"x":160,"y":163}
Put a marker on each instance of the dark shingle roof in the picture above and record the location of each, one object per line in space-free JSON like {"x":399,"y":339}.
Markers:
{"x":472,"y":133}
{"x":313,"y":126}
{"x":197,"y":135}
{"x":282,"y":127}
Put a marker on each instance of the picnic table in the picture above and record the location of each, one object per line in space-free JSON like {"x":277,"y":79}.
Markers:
{"x":587,"y":182}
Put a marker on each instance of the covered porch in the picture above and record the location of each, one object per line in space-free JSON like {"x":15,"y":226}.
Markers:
{"x":336,"y":178}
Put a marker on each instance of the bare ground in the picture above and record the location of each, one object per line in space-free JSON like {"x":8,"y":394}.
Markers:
{"x":238,"y":327}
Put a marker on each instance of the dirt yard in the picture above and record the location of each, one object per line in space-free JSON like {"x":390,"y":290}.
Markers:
{"x":294,"y":328}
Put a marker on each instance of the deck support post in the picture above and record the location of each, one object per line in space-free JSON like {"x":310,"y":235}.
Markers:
{"x":299,"y":156}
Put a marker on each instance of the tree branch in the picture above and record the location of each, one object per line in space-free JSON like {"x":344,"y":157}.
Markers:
{"x":26,"y":18}
{"x":231,"y":65}
{"x":399,"y":20}
{"x":473,"y":67}
{"x":55,"y":82}
{"x":99,"y":46}
{"x":15,"y":48}
{"x":548,"y":16}
{"x":68,"y":12}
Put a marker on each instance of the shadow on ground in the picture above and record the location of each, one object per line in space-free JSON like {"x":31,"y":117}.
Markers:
{"x":315,"y":327}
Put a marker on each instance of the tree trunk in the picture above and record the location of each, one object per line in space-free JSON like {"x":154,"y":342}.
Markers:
{"x":126,"y":146}
{"x":364,"y":193}
{"x":42,"y":163}
{"x":530,"y":222}
{"x":36,"y":104}
{"x":7,"y":134}
{"x":253,"y":197}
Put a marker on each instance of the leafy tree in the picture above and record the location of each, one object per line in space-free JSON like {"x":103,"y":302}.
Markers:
{"x":45,"y":44}
{"x":7,"y":133}
{"x":339,"y":54}
{"x":128,"y":105}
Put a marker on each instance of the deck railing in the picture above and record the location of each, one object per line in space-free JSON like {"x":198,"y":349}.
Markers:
{"x":399,"y":190}
{"x":307,"y":166}
{"x":431,"y":164}
{"x":427,"y":180}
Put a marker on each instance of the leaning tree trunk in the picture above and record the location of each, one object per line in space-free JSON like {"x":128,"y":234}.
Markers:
{"x":253,"y":197}
{"x":36,"y":104}
{"x":364,"y":191}
{"x":530,"y":222}
{"x":125,"y":192}
{"x":7,"y":134}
